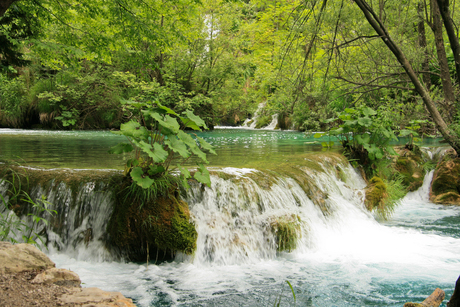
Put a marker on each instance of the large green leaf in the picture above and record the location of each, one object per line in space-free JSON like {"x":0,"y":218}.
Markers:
{"x":368,"y":111}
{"x":142,"y":179}
{"x":167,"y":121}
{"x":206,"y":145}
{"x":121,"y":148}
{"x":184,"y":171}
{"x":317,"y":135}
{"x":189,"y":124}
{"x":134,"y":129}
{"x":177,"y":146}
{"x":365,"y":121}
{"x":157,"y":153}
{"x":196,"y":119}
{"x":191,"y":143}
{"x":202,"y":175}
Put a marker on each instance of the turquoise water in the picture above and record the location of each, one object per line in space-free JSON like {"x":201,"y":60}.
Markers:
{"x":346,"y":259}
{"x":88,"y":149}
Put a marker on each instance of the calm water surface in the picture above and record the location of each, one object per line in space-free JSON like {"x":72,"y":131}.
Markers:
{"x":88,"y":149}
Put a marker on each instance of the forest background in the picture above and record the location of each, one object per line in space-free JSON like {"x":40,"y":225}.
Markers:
{"x":72,"y":64}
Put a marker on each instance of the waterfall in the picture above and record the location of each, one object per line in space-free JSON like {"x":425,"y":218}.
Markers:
{"x":343,"y":256}
{"x":78,"y":228}
{"x":234,"y":217}
{"x":273,"y":123}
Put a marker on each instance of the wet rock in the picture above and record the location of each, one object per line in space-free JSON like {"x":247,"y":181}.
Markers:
{"x":445,"y":187}
{"x":286,"y":229}
{"x":434,"y":300}
{"x":409,"y":164}
{"x":159,"y":226}
{"x":22,"y":257}
{"x":95,"y":297}
{"x":376,"y":193}
{"x":60,"y":277}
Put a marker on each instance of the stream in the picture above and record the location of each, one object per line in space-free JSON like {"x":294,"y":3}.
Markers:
{"x":344,"y":255}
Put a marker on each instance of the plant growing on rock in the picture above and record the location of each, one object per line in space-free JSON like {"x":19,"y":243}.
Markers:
{"x":156,"y":136}
{"x":12,"y":226}
{"x":364,"y":134}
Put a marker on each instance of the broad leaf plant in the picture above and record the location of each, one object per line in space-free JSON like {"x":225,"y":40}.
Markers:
{"x":160,"y":144}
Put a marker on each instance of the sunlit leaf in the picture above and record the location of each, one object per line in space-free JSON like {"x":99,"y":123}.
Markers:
{"x":157,"y":153}
{"x":178,"y":146}
{"x":318,"y":135}
{"x":167,"y":121}
{"x":198,"y":121}
{"x":184,"y":171}
{"x":202,"y":175}
{"x":365,"y":121}
{"x":134,"y":129}
{"x":206,"y":145}
{"x":368,"y":111}
{"x":142,"y":179}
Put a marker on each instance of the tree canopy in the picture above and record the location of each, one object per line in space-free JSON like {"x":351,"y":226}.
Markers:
{"x":67,"y":64}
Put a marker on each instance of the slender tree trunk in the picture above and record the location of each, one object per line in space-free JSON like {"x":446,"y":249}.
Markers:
{"x":380,"y":28}
{"x":450,"y":29}
{"x":422,"y":43}
{"x":4,"y":5}
{"x":436,"y":27}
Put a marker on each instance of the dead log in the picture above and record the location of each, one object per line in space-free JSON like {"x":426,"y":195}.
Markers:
{"x":434,"y":300}
{"x":455,"y":298}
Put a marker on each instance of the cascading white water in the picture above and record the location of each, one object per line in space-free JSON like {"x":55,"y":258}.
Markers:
{"x":273,"y":123}
{"x":344,"y":256}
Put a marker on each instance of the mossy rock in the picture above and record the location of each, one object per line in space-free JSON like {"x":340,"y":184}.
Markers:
{"x":409,"y":164}
{"x":376,"y":193}
{"x":445,"y":187}
{"x":286,"y":229}
{"x":157,"y":228}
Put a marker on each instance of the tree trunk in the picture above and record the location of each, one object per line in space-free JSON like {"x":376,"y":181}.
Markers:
{"x":4,"y":5}
{"x":450,"y":29}
{"x":379,"y":27}
{"x":422,"y":43}
{"x":436,"y":27}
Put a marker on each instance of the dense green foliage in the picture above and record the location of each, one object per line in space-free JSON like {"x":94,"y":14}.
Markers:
{"x":157,"y":138}
{"x":306,"y":59}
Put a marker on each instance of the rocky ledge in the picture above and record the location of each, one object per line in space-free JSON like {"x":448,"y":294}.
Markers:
{"x":29,"y":278}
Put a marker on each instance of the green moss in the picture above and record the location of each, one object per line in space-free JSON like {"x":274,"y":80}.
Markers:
{"x":376,"y":193}
{"x":287,"y":232}
{"x":411,"y":168}
{"x":445,"y":187}
{"x":151,"y":224}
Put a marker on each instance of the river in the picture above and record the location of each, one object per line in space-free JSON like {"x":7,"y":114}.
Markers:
{"x":343,"y":258}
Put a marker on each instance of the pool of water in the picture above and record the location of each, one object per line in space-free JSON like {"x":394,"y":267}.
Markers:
{"x":89,"y":149}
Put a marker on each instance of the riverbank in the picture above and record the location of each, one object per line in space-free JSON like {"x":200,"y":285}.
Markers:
{"x":29,"y":278}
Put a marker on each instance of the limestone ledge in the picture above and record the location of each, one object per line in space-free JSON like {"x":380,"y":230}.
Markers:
{"x":19,"y":258}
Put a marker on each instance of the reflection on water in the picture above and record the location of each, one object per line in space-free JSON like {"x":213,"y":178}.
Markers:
{"x":88,"y":149}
